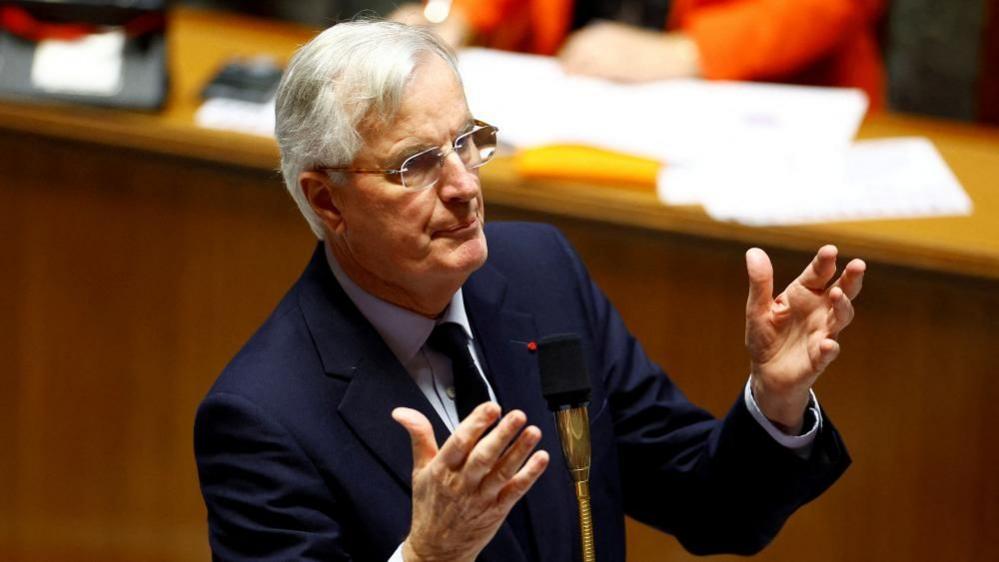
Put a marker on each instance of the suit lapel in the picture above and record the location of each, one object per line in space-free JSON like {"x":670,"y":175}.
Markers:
{"x":377,"y":388}
{"x":503,"y":334}
{"x":351,"y":350}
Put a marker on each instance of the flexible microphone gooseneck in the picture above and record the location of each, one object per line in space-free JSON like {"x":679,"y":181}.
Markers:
{"x":565,"y":384}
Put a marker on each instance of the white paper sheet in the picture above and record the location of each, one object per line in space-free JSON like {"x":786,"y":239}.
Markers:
{"x":90,"y":65}
{"x":237,"y":115}
{"x":535,"y":103}
{"x":873,"y":179}
{"x":760,"y":154}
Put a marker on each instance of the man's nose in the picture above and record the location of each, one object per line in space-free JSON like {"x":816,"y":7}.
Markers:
{"x":457,"y":183}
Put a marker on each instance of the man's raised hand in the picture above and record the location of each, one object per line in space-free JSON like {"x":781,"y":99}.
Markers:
{"x":792,"y":338}
{"x":464,"y":491}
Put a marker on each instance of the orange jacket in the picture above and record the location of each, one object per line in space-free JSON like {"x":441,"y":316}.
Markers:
{"x":819,"y":42}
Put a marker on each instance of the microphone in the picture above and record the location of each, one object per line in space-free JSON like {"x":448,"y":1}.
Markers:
{"x":565,"y":384}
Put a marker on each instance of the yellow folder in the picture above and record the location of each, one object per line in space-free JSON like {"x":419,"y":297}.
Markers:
{"x":571,"y":162}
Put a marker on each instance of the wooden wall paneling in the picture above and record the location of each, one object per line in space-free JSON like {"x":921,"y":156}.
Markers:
{"x":11,"y":321}
{"x":134,"y":277}
{"x":142,"y":275}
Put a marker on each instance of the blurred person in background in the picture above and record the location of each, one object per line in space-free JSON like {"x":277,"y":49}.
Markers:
{"x":813,"y":42}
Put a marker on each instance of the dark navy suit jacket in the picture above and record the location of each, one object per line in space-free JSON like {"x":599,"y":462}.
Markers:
{"x":299,"y":458}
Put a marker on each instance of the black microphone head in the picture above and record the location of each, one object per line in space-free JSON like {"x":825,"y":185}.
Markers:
{"x":565,"y":381}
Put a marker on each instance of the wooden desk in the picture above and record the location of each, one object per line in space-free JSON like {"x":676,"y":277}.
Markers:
{"x":141,"y":252}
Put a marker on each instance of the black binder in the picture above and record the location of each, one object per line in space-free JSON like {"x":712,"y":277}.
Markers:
{"x":142,"y":75}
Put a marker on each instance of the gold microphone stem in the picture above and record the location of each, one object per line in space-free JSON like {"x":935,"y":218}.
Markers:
{"x":574,"y":429}
{"x":585,"y":521}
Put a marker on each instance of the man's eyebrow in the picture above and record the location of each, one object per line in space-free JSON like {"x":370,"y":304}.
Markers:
{"x":412,"y":147}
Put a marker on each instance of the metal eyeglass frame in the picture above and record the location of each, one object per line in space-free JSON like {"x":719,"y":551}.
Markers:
{"x":442,"y":154}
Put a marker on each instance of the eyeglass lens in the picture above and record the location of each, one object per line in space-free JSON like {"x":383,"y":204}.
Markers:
{"x":474,"y":148}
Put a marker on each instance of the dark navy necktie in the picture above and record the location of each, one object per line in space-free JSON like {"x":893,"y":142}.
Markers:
{"x":469,"y":387}
{"x":470,"y":391}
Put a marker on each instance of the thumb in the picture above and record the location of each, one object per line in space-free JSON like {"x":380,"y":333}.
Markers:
{"x":828,"y":351}
{"x":761,"y":281}
{"x":421,"y":433}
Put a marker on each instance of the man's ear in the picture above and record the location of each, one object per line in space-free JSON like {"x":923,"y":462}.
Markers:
{"x":318,"y":190}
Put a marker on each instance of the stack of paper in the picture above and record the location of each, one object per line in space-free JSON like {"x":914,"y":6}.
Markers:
{"x":237,"y":115}
{"x":885,"y":178}
{"x":760,"y":154}
{"x":535,"y":103}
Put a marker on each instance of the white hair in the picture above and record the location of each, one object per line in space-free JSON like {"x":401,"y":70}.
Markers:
{"x":348,"y":72}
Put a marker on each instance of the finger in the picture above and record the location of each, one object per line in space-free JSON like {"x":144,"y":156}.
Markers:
{"x":828,"y":352}
{"x":421,"y":434}
{"x":567,"y":60}
{"x":576,"y":55}
{"x":842,"y":312}
{"x":761,"y":281}
{"x":457,"y":447}
{"x":523,"y":480}
{"x":853,"y":278}
{"x":487,"y":451}
{"x":817,"y":275}
{"x":569,"y":48}
{"x":575,"y":61}
{"x":511,"y":461}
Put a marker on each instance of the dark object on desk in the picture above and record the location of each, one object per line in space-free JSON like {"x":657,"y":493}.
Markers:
{"x":253,"y":80}
{"x":934,"y":55}
{"x":109,"y":53}
{"x":313,"y":13}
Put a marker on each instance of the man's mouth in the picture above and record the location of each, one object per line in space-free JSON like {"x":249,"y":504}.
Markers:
{"x":460,"y":228}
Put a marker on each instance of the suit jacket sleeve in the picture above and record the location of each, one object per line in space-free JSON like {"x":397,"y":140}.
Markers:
{"x":486,"y":15}
{"x":717,"y":485}
{"x":759,"y":39}
{"x":265,"y":499}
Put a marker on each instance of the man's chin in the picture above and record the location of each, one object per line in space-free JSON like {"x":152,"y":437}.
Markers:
{"x":472,"y":253}
{"x":468,"y":255}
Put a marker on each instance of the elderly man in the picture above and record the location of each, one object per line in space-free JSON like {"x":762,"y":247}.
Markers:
{"x":390,"y":407}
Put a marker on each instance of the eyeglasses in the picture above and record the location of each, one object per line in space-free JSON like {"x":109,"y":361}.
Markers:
{"x":423,"y":169}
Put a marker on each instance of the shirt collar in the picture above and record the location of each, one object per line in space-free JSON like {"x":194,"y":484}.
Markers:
{"x":404,"y":331}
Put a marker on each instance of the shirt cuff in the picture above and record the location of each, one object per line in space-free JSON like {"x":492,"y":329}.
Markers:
{"x":397,"y":555}
{"x":799,"y":443}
